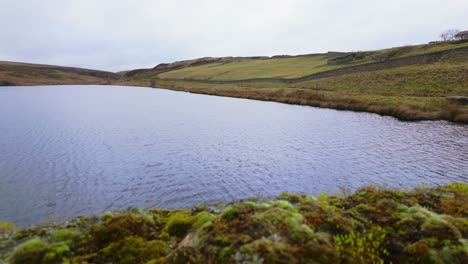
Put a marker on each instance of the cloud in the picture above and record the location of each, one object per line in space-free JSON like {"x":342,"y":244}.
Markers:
{"x":118,"y":34}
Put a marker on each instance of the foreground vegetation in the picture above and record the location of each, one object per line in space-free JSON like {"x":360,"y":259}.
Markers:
{"x":373,"y":225}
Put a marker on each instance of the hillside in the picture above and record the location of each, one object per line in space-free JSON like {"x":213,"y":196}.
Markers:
{"x":15,"y":73}
{"x":287,"y":67}
{"x":410,"y":83}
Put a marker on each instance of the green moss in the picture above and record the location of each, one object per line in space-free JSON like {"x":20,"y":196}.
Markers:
{"x":7,"y":227}
{"x":28,"y":233}
{"x":265,"y":251}
{"x":225,"y":253}
{"x":230,"y":212}
{"x":31,"y":251}
{"x":291,"y":197}
{"x":283,"y":204}
{"x":310,"y":199}
{"x":65,"y":235}
{"x":256,"y":205}
{"x":37,"y":251}
{"x":106,"y":216}
{"x":201,"y":219}
{"x":365,"y":247}
{"x":179,"y":224}
{"x":119,"y":227}
{"x":281,"y":221}
{"x":374,"y":225}
{"x":134,"y":250}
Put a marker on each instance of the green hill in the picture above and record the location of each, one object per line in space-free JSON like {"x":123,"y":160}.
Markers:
{"x":297,"y":66}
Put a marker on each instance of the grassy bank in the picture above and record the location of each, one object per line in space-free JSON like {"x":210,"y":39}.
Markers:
{"x":409,"y":108}
{"x":415,"y":92}
{"x":373,"y":225}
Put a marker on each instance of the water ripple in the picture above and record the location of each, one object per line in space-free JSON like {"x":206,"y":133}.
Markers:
{"x":70,"y":151}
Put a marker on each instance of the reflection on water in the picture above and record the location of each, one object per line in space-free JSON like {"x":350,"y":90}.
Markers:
{"x":75,"y":150}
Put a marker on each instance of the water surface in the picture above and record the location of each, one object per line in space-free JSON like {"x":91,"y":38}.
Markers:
{"x":67,"y":151}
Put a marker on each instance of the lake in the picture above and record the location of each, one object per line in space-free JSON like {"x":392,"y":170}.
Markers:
{"x":67,"y":151}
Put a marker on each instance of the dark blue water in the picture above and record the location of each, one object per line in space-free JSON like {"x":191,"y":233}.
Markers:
{"x":76,"y":150}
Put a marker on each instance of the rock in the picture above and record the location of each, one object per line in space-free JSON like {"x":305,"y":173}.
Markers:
{"x":5,"y":83}
{"x":460,"y":99}
{"x":347,"y":58}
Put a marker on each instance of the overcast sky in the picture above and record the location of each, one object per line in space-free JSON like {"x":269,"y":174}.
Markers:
{"x":119,"y":35}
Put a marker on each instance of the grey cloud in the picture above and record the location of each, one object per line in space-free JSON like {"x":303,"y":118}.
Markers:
{"x":119,"y":35}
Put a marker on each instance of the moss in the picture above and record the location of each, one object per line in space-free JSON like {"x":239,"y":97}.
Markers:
{"x":65,"y":235}
{"x":320,"y":248}
{"x":179,"y":224}
{"x":455,"y":254}
{"x":281,"y":221}
{"x":134,"y":250}
{"x":438,"y":226}
{"x":230,"y":212}
{"x":373,"y":225}
{"x":37,"y":251}
{"x":119,"y":227}
{"x":283,"y":204}
{"x":365,"y":247}
{"x":310,"y":199}
{"x":291,"y":197}
{"x":265,"y":251}
{"x":186,"y":255}
{"x":106,"y":216}
{"x":225,"y":253}
{"x":202,"y":218}
{"x":31,"y":251}
{"x":6,"y":227}
{"x":255,"y":205}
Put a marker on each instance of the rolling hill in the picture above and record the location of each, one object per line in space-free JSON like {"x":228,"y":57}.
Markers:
{"x":16,"y":73}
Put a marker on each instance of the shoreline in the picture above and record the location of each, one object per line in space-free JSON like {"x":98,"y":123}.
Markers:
{"x":451,"y":111}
